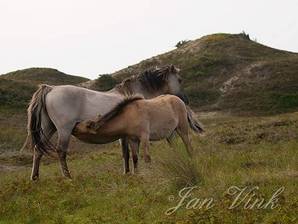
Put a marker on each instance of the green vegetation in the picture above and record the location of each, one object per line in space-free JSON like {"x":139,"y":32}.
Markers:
{"x":231,"y":73}
{"x":16,"y":88}
{"x":256,"y":151}
{"x":15,"y":94}
{"x":44,"y":75}
{"x":104,"y":83}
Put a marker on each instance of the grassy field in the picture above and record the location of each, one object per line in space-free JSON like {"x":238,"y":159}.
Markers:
{"x":235,"y":151}
{"x":252,"y":152}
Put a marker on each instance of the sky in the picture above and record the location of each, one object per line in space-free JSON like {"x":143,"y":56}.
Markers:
{"x":92,"y":37}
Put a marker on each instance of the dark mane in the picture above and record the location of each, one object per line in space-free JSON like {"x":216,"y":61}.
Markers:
{"x":151,"y":79}
{"x":116,"y":111}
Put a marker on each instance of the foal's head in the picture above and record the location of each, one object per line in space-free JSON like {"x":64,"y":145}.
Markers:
{"x":86,"y":127}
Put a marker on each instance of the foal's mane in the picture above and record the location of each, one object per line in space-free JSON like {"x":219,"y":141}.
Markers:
{"x":116,"y":111}
{"x":151,"y":79}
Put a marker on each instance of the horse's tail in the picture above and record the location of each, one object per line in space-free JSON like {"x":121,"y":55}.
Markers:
{"x":194,"y":124}
{"x":36,"y":112}
{"x":26,"y":143}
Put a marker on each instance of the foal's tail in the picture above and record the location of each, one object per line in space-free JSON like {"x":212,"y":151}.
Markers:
{"x":194,"y":124}
{"x":37,"y":110}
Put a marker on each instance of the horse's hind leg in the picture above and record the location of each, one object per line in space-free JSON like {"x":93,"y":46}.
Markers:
{"x":36,"y":162}
{"x":125,"y":154}
{"x":49,"y":130}
{"x":63,"y":142}
{"x":134,"y":145}
{"x":145,"y":147}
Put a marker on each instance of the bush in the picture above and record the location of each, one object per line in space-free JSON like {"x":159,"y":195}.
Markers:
{"x":245,"y":35}
{"x":105,"y":82}
{"x":181,"y":43}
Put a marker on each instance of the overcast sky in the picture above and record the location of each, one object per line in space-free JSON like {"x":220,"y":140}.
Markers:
{"x":91,"y":37}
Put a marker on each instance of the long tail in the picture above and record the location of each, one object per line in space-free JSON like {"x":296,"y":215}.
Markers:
{"x":26,"y":143}
{"x":194,"y":124}
{"x":37,"y":109}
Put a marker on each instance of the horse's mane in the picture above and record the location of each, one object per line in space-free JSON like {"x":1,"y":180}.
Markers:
{"x":116,"y":111}
{"x":152,"y":79}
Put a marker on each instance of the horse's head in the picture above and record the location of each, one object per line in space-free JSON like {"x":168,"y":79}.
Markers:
{"x":173,"y":83}
{"x":172,"y":80}
{"x":154,"y":82}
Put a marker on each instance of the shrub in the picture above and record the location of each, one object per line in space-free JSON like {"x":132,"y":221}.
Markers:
{"x":105,"y":82}
{"x":245,"y":35}
{"x":181,"y":43}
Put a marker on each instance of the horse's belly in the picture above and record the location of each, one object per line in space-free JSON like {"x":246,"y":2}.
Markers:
{"x":162,"y":130}
{"x":92,"y":139}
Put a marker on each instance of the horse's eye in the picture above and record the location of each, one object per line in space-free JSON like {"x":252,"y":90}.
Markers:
{"x":179,"y":80}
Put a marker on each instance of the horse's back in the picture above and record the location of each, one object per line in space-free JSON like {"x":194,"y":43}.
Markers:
{"x":167,"y":100}
{"x":161,"y":114}
{"x":68,"y":104}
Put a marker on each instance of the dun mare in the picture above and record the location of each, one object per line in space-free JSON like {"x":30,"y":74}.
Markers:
{"x":59,"y":108}
{"x":139,"y":121}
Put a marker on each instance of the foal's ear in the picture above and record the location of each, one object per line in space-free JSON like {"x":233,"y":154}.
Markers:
{"x":90,"y":125}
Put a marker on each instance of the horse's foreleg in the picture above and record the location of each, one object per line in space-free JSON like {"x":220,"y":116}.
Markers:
{"x":63,"y":142}
{"x":125,"y":154}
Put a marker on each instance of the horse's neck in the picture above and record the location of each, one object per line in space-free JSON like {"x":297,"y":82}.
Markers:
{"x":135,"y":88}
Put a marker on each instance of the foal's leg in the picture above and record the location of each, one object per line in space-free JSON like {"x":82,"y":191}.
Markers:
{"x":125,"y":154}
{"x":184,"y":135}
{"x":134,"y":145}
{"x":63,"y":142}
{"x":170,"y":140}
{"x":145,"y":146}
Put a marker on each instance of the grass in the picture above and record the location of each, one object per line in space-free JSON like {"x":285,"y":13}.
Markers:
{"x":100,"y":193}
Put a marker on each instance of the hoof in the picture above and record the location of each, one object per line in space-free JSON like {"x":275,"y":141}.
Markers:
{"x":34,"y":178}
{"x":135,"y":171}
{"x":147,"y":159}
{"x":67,"y":175}
{"x":126,"y":172}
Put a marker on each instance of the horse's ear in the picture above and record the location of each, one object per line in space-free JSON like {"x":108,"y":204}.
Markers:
{"x":173,"y":69}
